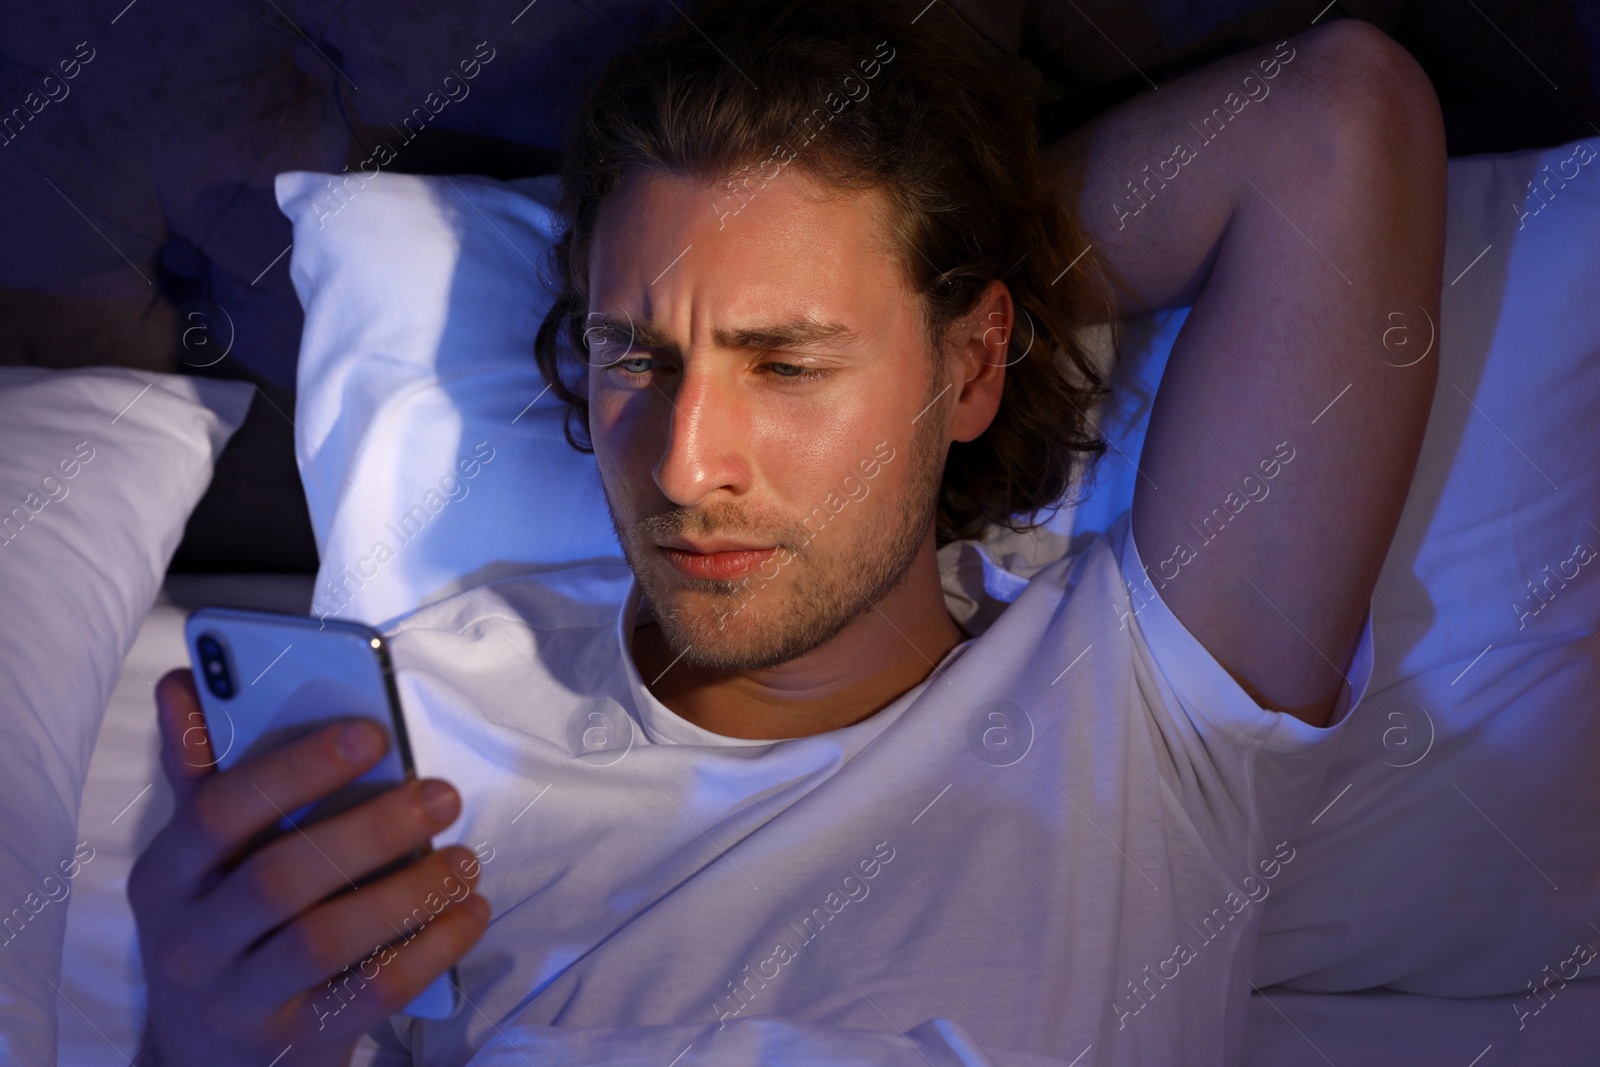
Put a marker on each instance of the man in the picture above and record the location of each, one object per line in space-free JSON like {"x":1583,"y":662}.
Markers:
{"x":778,"y":788}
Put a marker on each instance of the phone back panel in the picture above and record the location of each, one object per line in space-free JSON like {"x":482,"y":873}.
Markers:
{"x":289,"y":675}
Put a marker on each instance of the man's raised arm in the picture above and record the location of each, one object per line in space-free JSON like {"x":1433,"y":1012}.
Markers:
{"x":1295,"y":196}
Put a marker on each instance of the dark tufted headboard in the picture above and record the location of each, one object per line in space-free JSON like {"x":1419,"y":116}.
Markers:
{"x":138,"y":145}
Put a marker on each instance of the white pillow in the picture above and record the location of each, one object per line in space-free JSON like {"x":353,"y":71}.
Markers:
{"x":99,"y":470}
{"x":433,"y":459}
{"x":1414,"y":883}
{"x":1473,"y":867}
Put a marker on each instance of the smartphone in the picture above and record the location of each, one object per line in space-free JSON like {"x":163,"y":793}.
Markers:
{"x":266,"y":678}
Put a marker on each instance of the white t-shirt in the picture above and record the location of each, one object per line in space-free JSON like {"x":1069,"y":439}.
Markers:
{"x":1052,"y":850}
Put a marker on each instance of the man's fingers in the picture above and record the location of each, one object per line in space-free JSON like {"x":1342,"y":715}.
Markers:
{"x":186,"y":752}
{"x":301,"y":868}
{"x":391,"y":977}
{"x":342,"y":932}
{"x":230,"y":807}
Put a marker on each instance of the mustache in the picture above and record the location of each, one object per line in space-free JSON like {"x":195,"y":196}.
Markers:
{"x":727,"y":521}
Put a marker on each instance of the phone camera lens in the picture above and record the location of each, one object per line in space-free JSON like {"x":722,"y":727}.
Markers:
{"x":214,"y":667}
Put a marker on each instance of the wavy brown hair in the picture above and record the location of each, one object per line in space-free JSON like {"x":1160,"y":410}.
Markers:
{"x":864,"y":95}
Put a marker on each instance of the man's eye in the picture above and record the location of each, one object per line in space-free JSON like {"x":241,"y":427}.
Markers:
{"x":638,"y":366}
{"x":632,"y":364}
{"x":792,"y":372}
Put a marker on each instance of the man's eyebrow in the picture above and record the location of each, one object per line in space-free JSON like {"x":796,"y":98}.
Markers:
{"x":775,"y":336}
{"x":796,"y":333}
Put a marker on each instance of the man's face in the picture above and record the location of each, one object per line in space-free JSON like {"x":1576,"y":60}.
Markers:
{"x":713,"y":430}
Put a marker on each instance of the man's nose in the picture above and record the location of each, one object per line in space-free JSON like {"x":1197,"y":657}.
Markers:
{"x":706,"y":442}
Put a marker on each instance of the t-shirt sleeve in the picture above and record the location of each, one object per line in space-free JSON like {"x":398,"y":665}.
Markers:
{"x":1228,"y":755}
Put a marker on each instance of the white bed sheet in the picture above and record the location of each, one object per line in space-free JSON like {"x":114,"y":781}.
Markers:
{"x":126,"y":800}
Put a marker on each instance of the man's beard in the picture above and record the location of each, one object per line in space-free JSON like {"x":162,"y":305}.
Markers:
{"x":752,"y":624}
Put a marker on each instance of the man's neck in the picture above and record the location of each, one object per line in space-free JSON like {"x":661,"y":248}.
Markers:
{"x":884,"y":653}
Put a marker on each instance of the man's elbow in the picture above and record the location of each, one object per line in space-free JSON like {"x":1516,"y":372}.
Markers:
{"x":1374,"y":102}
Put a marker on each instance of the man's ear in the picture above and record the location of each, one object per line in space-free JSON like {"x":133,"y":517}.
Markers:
{"x":983,"y":350}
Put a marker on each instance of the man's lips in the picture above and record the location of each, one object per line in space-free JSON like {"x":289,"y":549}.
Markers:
{"x":727,"y":563}
{"x":714,"y":544}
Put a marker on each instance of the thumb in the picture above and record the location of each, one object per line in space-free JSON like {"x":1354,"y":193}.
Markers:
{"x":187,"y":754}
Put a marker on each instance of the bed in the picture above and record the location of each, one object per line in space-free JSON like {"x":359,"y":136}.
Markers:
{"x":1465,"y":994}
{"x":1455,"y":956}
{"x":126,"y":800}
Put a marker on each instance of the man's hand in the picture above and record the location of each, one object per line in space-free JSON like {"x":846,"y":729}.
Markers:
{"x":239,"y":945}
